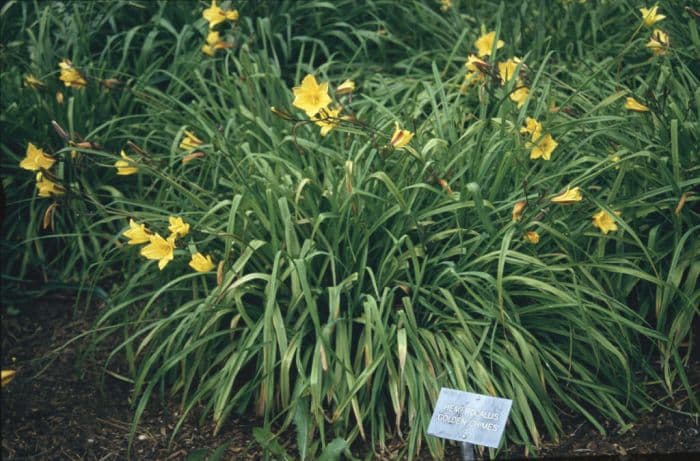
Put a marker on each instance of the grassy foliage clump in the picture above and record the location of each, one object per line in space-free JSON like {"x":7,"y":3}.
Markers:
{"x":516,"y":227}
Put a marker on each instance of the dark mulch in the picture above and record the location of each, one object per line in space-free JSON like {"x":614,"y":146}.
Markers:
{"x":55,"y":410}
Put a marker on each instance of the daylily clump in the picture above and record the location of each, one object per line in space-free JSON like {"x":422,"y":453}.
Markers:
{"x":336,"y":264}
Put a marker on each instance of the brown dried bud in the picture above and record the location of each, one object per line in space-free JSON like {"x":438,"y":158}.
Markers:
{"x":220,"y":274}
{"x":194,"y":155}
{"x":111,"y":83}
{"x":48,"y":216}
{"x":446,"y":187}
{"x":681,"y":203}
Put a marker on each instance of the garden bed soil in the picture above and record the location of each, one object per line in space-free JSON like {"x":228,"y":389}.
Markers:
{"x":54,"y":410}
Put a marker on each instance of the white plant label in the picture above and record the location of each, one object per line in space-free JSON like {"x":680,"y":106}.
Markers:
{"x":471,"y":418}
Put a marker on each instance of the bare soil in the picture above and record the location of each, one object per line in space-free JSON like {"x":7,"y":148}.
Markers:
{"x":55,"y":409}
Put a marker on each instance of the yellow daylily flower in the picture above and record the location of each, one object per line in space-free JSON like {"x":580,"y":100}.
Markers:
{"x":658,"y":43}
{"x":400,"y":138}
{"x":519,"y":96}
{"x":532,"y":237}
{"x":47,"y":188}
{"x":213,"y":37}
{"x":569,"y":196}
{"x":605,"y":222}
{"x":518,"y":209}
{"x":507,"y":69}
{"x":477,"y":69}
{"x":543,"y":147}
{"x":36,"y":159}
{"x":178,"y":227}
{"x":348,"y":86}
{"x":214,"y":42}
{"x":126,"y":166}
{"x":160,"y":249}
{"x":33,"y":82}
{"x":475,"y":64}
{"x":6,"y":376}
{"x":70,"y":76}
{"x":310,"y":96}
{"x":190,"y":141}
{"x":445,"y":5}
{"x":216,"y":15}
{"x":650,"y":16}
{"x":484,"y":44}
{"x":137,"y":233}
{"x":633,"y":104}
{"x":208,"y":50}
{"x":532,"y":127}
{"x":327,"y":119}
{"x":201,"y":263}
